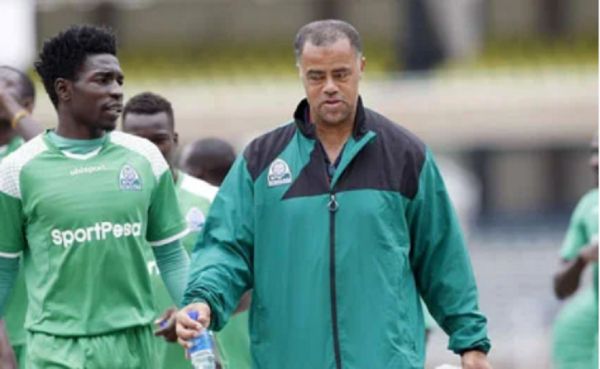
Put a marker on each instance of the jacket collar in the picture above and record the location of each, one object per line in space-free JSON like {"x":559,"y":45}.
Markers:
{"x":307,"y":128}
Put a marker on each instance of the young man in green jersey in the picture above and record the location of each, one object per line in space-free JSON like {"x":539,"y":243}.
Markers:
{"x":17,"y":99}
{"x":150,"y":116}
{"x":81,"y":204}
{"x":338,"y":221}
{"x":575,"y":341}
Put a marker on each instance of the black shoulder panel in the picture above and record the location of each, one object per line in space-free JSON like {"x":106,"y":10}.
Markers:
{"x":391,"y":162}
{"x":264,"y":149}
{"x":312,"y":180}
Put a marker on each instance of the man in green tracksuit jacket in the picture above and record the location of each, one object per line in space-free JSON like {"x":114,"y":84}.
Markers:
{"x":339,"y":221}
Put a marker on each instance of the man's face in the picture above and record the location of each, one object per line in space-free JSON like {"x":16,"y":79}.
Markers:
{"x":10,"y":81}
{"x":331,"y":75}
{"x":156,"y":128}
{"x":95,"y":98}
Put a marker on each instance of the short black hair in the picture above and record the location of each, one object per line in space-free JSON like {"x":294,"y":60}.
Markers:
{"x":63,"y":55}
{"x":26,"y":87}
{"x":149,"y":103}
{"x":214,"y":155}
{"x":326,"y":32}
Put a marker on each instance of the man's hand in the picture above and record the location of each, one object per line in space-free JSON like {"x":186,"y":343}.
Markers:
{"x":166,"y":325}
{"x":475,"y":360}
{"x":186,"y":327}
{"x":590,"y":253}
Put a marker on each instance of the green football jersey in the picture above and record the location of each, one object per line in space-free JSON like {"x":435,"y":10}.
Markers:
{"x":14,"y":316}
{"x":583,"y":229}
{"x":576,"y":327}
{"x":9,"y":148}
{"x":83,"y":224}
{"x":195,"y":197}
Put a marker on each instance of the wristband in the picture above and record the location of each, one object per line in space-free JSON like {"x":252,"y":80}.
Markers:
{"x":17,"y":117}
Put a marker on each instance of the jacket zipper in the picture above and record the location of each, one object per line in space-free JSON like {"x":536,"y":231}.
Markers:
{"x":333,"y":207}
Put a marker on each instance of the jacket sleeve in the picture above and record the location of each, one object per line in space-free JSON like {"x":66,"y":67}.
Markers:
{"x":441,"y":265}
{"x":221,"y":269}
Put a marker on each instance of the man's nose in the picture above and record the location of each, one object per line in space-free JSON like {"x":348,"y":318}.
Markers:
{"x":330,"y":87}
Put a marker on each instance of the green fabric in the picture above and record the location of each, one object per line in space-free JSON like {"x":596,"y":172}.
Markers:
{"x":9,"y":268}
{"x":20,"y":353}
{"x":575,"y":333}
{"x":234,"y":343}
{"x":173,"y":263}
{"x":194,"y":197}
{"x":428,"y":319}
{"x":131,"y":348}
{"x":12,"y":146}
{"x":15,"y":311}
{"x":280,"y":248}
{"x":576,"y":327}
{"x":101,"y":212}
{"x":14,"y":315}
{"x":75,"y":146}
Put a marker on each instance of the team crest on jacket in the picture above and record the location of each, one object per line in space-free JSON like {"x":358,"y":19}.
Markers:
{"x":279,"y":173}
{"x":195,"y":219}
{"x":129,"y":179}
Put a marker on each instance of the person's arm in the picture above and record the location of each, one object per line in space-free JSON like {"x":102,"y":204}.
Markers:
{"x":442,"y":268}
{"x":566,"y":280}
{"x":174,"y":264}
{"x":221,"y":269}
{"x":9,"y":267}
{"x":8,"y":359}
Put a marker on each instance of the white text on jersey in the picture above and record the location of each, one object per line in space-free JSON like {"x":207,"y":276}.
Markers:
{"x":97,"y":232}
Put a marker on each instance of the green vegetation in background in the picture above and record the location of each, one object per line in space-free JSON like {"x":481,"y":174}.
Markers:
{"x":231,"y":61}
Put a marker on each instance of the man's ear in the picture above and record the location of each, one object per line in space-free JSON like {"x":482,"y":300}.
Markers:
{"x":176,"y":138}
{"x":63,"y":88}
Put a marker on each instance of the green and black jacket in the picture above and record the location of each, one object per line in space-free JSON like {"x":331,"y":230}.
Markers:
{"x":337,"y":266}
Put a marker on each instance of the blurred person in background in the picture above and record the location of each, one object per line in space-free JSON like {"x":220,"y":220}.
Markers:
{"x":151,"y":116}
{"x":209,"y":159}
{"x":83,"y":204}
{"x":575,"y":340}
{"x":17,"y":100}
{"x":338,"y":220}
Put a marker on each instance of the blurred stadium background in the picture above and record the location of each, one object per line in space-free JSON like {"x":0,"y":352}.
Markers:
{"x":505,"y":92}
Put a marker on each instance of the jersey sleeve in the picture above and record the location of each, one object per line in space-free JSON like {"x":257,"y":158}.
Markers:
{"x":575,"y":238}
{"x":441,"y":264}
{"x":221,"y":269}
{"x":12,"y":224}
{"x":165,"y":222}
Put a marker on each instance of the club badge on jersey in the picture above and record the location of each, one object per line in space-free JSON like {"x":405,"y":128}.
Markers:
{"x":195,"y":219}
{"x":129,"y":179}
{"x":279,"y":173}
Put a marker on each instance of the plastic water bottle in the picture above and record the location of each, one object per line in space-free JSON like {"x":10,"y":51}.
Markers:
{"x":201,"y":353}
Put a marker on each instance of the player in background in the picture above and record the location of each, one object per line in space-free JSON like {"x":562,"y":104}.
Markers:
{"x":575,"y":341}
{"x":150,"y":116}
{"x":17,"y":100}
{"x":209,"y":159}
{"x":80,"y":204}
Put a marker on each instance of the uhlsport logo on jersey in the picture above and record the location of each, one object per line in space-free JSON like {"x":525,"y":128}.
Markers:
{"x":195,"y":219}
{"x":279,"y":173}
{"x":100,"y":231}
{"x":129,"y":179}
